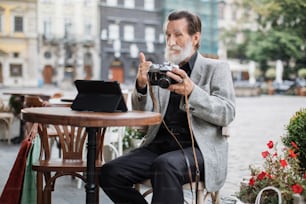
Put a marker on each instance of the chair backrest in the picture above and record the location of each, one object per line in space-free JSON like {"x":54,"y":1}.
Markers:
{"x":33,"y":101}
{"x":72,"y":140}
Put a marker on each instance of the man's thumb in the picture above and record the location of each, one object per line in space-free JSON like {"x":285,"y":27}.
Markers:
{"x":142,"y":57}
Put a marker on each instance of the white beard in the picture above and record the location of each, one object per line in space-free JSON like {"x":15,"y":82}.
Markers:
{"x":184,"y":53}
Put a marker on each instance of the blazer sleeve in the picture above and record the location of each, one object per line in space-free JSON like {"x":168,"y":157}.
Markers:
{"x":213,"y":96}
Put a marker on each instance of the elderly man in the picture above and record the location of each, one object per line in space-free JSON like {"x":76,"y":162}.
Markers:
{"x":189,"y":144}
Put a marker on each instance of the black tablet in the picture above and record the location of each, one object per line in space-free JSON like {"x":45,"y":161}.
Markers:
{"x":98,"y":96}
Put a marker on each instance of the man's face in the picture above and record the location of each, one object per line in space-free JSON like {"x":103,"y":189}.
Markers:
{"x":180,"y":45}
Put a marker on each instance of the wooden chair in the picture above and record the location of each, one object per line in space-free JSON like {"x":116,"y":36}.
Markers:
{"x":72,"y":140}
{"x":201,"y":198}
{"x":36,"y":101}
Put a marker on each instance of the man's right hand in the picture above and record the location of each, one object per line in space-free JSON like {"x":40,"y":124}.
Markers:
{"x":143,"y":69}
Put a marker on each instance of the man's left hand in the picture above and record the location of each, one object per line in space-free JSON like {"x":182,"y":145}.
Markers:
{"x":184,"y":85}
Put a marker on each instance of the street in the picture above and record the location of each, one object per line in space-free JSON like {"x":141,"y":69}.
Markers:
{"x":258,"y":120}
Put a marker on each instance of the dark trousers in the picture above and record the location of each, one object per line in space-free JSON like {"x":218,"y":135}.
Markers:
{"x":167,"y":172}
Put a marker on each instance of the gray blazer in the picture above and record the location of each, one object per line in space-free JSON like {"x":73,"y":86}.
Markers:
{"x":212,"y":107}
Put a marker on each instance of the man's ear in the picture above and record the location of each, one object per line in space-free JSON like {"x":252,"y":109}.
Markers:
{"x":196,"y":38}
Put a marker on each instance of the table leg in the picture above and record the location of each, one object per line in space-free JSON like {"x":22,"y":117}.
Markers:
{"x":91,"y":166}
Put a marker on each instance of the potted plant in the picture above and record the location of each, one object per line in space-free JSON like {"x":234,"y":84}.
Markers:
{"x":284,"y":170}
{"x":133,"y":137}
{"x":280,"y":170}
{"x":270,"y":76}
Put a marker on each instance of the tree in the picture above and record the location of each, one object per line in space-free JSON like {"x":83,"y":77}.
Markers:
{"x":272,"y":29}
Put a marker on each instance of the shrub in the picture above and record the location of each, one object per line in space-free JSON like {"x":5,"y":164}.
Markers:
{"x":296,"y":132}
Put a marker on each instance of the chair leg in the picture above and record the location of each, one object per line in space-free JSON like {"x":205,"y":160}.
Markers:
{"x":216,"y":198}
{"x":39,"y":186}
{"x":97,"y":189}
{"x":47,"y":196}
{"x":200,"y":197}
{"x":49,"y":187}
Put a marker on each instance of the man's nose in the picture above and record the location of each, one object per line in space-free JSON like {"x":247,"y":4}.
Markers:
{"x":171,"y":41}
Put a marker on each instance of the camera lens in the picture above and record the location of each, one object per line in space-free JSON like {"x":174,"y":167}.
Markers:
{"x":164,"y":82}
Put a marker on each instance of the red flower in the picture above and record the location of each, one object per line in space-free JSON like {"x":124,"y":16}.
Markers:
{"x":294,"y":145}
{"x":291,"y":153}
{"x":261,"y":175}
{"x":283,"y":162}
{"x":275,"y":154}
{"x":265,"y":154}
{"x":269,"y":176}
{"x":296,"y":188}
{"x":270,"y":144}
{"x":252,"y":181}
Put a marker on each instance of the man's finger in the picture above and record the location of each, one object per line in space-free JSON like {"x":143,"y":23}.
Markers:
{"x":142,"y":57}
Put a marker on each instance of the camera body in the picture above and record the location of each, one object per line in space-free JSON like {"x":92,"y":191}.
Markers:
{"x":158,"y":77}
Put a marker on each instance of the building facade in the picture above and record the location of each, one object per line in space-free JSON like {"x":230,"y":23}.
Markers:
{"x":131,"y":26}
{"x":56,"y":42}
{"x":68,"y":41}
{"x":128,"y":27}
{"x":18,"y":43}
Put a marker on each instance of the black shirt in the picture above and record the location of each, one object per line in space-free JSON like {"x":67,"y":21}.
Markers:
{"x":176,"y":120}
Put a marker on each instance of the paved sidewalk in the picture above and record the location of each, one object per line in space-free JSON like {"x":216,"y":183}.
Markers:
{"x":258,"y":120}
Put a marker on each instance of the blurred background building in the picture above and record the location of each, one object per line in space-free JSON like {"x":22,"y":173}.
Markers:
{"x":128,"y":27}
{"x":68,"y":42}
{"x":18,"y":43}
{"x":55,"y":42}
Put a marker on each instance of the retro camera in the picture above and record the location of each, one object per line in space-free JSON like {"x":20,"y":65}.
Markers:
{"x":158,"y":77}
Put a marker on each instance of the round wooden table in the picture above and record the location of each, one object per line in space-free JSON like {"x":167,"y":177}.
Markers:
{"x":90,"y":120}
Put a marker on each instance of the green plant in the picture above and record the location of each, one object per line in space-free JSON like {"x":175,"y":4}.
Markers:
{"x":130,"y":134}
{"x":296,"y":132}
{"x":270,"y":73}
{"x":281,"y":170}
{"x":302,"y":73}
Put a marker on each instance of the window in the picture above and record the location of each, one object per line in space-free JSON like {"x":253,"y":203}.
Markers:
{"x":111,"y":2}
{"x":87,"y":28}
{"x":149,"y":4}
{"x":113,"y":31}
{"x":149,"y":34}
{"x":68,"y":27}
{"x":87,"y":2}
{"x":103,"y":34}
{"x":129,"y":3}
{"x":221,"y":10}
{"x":129,"y":32}
{"x":47,"y":27}
{"x":18,"y":24}
{"x":15,"y":70}
{"x":150,"y":47}
{"x":15,"y":54}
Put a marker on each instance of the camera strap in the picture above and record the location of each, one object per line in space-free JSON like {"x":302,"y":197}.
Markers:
{"x":197,"y":173}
